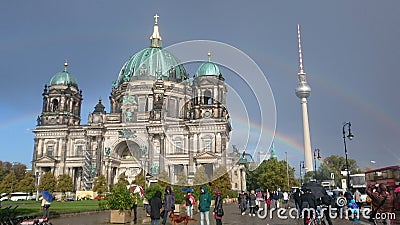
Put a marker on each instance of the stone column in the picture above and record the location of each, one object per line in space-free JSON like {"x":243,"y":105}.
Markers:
{"x":162,"y":153}
{"x":243,"y":179}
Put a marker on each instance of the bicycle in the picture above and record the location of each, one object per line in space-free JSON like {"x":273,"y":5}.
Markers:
{"x":318,"y":219}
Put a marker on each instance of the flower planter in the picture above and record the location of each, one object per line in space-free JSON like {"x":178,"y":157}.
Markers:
{"x":117,"y":216}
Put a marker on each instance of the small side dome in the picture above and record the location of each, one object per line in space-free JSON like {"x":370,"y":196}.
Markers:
{"x":99,"y":108}
{"x":63,"y":78}
{"x":208,"y":69}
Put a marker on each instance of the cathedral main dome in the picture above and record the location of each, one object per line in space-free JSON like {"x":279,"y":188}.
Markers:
{"x":152,"y":63}
{"x":63,"y":78}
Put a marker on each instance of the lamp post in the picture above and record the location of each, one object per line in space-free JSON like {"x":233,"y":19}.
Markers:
{"x":316,"y":156}
{"x":301,"y":168}
{"x":350,"y":136}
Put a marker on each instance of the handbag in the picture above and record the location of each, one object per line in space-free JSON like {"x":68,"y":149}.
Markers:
{"x":220,"y":212}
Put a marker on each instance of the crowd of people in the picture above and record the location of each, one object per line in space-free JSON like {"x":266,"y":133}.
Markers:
{"x":254,"y":200}
{"x":161,"y":209}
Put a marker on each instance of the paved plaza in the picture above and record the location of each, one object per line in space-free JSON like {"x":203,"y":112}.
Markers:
{"x":232,"y":217}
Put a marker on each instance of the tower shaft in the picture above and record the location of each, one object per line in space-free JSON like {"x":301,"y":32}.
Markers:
{"x":306,"y":136}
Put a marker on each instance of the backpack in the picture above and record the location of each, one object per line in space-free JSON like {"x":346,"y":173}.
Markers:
{"x":148,"y":209}
{"x":192,"y":200}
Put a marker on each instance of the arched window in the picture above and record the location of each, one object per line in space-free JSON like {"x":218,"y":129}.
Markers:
{"x":207,"y":97}
{"x":55,"y":105}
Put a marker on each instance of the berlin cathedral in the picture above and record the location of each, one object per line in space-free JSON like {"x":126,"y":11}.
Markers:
{"x":159,"y":122}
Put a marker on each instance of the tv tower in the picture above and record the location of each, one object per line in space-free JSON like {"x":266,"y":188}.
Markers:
{"x":303,"y":90}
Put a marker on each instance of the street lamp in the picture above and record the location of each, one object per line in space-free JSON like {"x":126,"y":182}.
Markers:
{"x":301,"y":168}
{"x":316,"y":156}
{"x":350,"y":136}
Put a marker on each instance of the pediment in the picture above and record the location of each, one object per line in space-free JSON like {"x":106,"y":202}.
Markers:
{"x":46,"y":159}
{"x":206,"y":155}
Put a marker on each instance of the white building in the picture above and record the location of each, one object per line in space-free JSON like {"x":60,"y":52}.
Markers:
{"x":159,"y":121}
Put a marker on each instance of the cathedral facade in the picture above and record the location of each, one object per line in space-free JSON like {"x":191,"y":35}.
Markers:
{"x":160,"y":123}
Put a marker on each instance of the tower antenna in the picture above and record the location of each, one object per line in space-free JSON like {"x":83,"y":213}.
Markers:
{"x":300,"y":53}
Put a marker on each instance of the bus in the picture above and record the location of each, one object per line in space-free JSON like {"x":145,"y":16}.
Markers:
{"x":389,"y":175}
{"x":16,"y":196}
{"x":357,"y":181}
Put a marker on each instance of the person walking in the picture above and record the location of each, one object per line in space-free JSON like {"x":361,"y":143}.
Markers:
{"x":357,"y":198}
{"x":156,"y":205}
{"x":382,"y":203}
{"x":189,"y":201}
{"x":297,"y":200}
{"x":252,"y":203}
{"x":308,"y":202}
{"x":46,"y":208}
{"x":169,"y":203}
{"x":285,"y":199}
{"x":204,"y":205}
{"x":218,"y":210}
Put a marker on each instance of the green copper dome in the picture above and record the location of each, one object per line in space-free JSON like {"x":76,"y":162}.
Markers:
{"x":208,"y":68}
{"x":152,"y":63}
{"x":63,"y":78}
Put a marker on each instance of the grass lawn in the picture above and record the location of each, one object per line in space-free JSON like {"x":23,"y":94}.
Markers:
{"x":26,"y":208}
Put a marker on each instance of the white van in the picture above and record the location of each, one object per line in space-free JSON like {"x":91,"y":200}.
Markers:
{"x":3,"y":197}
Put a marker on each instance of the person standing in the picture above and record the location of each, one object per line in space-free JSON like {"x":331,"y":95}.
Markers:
{"x":357,"y":198}
{"x":218,"y":210}
{"x":189,"y":201}
{"x":134,"y":207}
{"x":46,"y":208}
{"x":252,"y":203}
{"x":169,"y":203}
{"x":242,"y":203}
{"x":156,"y":205}
{"x":204,"y":205}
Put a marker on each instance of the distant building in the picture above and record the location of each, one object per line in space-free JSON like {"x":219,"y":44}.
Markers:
{"x":159,"y":121}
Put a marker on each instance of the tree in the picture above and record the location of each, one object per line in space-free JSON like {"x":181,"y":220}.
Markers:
{"x":64,"y":183}
{"x":100,"y":185}
{"x":27,"y":184}
{"x":48,"y":182}
{"x":333,"y":164}
{"x":181,"y":179}
{"x":200,"y":177}
{"x":164,"y":179}
{"x":9,"y":184}
{"x":140,"y":180}
{"x":222,"y":181}
{"x":122,"y":180}
{"x":271,"y":174}
{"x":19,"y":170}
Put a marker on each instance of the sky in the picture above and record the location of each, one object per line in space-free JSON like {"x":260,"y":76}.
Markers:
{"x":350,"y":54}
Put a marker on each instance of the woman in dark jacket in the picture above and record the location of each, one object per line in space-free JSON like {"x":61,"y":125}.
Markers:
{"x":169,"y":203}
{"x":156,"y":205}
{"x":218,"y":207}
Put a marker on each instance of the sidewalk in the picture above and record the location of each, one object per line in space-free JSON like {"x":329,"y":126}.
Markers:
{"x":232,"y":217}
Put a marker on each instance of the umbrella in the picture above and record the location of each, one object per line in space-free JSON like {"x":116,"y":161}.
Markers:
{"x":316,"y":189}
{"x":134,"y":188}
{"x":397,"y":190}
{"x":187,"y":189}
{"x":47,"y":195}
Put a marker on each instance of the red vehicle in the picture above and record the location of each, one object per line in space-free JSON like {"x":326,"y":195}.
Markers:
{"x":387,"y":175}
